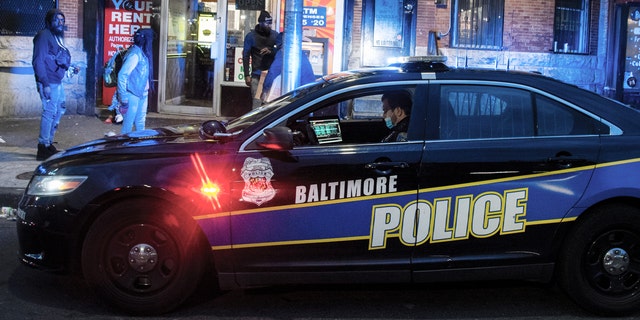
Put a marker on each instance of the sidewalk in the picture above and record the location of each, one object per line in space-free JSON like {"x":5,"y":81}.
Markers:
{"x":19,"y":140}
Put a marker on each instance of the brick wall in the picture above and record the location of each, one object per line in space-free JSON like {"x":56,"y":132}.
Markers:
{"x":527,"y":42}
{"x":73,"y":14}
{"x":528,"y":25}
{"x":18,"y":94}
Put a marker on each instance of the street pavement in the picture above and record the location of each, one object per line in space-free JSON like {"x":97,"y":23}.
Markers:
{"x":19,"y":140}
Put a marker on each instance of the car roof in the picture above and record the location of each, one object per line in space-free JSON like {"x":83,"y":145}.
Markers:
{"x":623,"y":116}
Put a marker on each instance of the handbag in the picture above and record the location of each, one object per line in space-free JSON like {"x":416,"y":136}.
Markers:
{"x":63,"y":58}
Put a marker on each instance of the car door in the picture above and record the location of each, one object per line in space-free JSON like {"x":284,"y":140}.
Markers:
{"x":323,"y":211}
{"x":501,"y":169}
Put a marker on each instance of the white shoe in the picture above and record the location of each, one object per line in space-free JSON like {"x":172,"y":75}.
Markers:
{"x":119,"y":118}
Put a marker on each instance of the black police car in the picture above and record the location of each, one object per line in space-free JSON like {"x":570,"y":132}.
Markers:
{"x":500,"y":175}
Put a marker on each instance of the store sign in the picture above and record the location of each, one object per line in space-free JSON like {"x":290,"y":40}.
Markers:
{"x":314,"y":17}
{"x":122,"y":18}
{"x":249,"y":4}
{"x":238,"y":73}
{"x":387,"y":24}
{"x":319,"y":25}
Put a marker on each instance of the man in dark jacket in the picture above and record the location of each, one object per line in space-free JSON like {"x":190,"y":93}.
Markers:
{"x":51,"y":60}
{"x":259,"y":49}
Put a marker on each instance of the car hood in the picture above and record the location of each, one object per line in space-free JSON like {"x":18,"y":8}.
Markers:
{"x":152,"y":139}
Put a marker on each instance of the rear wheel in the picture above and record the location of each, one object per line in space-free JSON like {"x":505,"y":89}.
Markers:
{"x":600,"y":264}
{"x":142,"y":257}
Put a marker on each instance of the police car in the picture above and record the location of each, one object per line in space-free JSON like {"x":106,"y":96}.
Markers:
{"x":501,"y":175}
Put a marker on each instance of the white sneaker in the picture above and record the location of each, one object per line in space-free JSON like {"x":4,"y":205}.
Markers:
{"x":119,"y":118}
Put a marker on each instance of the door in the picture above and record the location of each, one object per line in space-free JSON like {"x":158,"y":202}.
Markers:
{"x":506,"y":162}
{"x":329,"y":209}
{"x":388,"y":30}
{"x":626,"y":53}
{"x":187,"y":70}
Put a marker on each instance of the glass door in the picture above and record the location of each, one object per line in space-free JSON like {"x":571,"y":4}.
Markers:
{"x":242,"y":17}
{"x":188,"y":71}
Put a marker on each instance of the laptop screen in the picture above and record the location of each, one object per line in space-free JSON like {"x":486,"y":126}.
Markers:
{"x":326,"y":130}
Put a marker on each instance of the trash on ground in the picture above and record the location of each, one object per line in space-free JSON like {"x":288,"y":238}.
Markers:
{"x":8,"y":213}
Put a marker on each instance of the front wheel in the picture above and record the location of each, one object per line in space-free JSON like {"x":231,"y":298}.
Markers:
{"x":600,"y":264}
{"x":142,"y":258}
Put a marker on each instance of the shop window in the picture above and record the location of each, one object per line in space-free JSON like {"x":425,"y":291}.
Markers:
{"x":571,"y":26}
{"x":478,"y":24}
{"x":23,"y":18}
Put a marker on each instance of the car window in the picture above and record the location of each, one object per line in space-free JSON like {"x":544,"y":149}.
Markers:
{"x":481,"y":112}
{"x":355,"y":117}
{"x":475,"y":112}
{"x":348,"y":120}
{"x":556,"y":119}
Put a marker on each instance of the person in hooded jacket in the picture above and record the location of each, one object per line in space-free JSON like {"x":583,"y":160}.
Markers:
{"x":271,"y":87}
{"x":135,"y":79}
{"x":51,"y":62}
{"x":258,"y":53}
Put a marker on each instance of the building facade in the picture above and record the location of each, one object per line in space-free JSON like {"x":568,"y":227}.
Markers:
{"x":590,"y":43}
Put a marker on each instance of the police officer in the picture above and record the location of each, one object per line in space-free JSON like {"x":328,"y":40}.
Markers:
{"x":396,"y":108}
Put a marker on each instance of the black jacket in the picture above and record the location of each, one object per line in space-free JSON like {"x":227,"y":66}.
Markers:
{"x":398,"y":132}
{"x":45,"y":49}
{"x":255,"y":41}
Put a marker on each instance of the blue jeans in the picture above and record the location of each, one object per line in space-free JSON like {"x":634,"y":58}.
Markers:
{"x":255,"y":83}
{"x":114,"y":103}
{"x":52,"y":111}
{"x":136,"y":114}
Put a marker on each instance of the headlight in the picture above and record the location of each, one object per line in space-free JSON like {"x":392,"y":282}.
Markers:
{"x":54,"y":185}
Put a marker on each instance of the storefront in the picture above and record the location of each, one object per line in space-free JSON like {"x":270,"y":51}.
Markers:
{"x":199,"y":67}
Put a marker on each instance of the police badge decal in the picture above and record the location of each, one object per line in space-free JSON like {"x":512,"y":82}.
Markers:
{"x":257,"y":175}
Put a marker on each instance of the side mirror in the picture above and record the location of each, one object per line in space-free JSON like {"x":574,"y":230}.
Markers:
{"x":209,"y":128}
{"x":278,"y":138}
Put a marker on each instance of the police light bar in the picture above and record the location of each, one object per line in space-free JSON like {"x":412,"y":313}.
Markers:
{"x":410,"y":59}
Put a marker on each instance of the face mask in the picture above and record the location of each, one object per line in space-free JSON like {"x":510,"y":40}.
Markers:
{"x":388,"y":122}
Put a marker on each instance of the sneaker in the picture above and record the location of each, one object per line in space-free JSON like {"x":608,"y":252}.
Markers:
{"x":119,"y":118}
{"x":43,"y":152}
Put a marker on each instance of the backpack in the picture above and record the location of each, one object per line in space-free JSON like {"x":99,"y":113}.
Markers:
{"x":112,"y":67}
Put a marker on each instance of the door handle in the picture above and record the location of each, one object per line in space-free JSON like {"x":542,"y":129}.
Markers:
{"x":566,"y":161}
{"x":386,"y":165}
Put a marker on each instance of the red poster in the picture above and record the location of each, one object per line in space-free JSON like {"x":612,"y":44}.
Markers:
{"x":122,"y":18}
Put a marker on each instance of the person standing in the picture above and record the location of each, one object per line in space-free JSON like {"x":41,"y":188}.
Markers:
{"x":258,"y":51}
{"x":134,"y":81}
{"x":271,"y":87}
{"x":51,"y":61}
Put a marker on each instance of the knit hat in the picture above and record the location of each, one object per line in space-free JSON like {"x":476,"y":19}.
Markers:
{"x":264,"y":17}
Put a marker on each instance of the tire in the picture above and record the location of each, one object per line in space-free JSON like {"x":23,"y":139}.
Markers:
{"x":599,"y":266}
{"x":142,"y":258}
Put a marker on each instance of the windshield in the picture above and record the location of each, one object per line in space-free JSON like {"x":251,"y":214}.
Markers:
{"x":244,"y":121}
{"x":238,"y":124}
